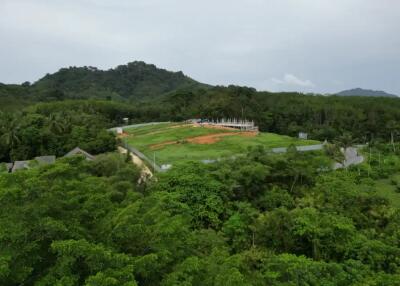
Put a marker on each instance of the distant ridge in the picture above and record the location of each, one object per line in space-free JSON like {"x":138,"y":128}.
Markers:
{"x":365,"y":92}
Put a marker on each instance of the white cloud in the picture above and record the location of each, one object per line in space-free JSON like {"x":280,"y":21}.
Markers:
{"x":292,"y":80}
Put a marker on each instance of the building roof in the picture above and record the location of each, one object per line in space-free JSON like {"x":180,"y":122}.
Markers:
{"x":20,"y":165}
{"x":79,"y":151}
{"x":44,"y":160}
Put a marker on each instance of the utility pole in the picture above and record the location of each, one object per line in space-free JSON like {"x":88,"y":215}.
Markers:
{"x":369,"y":160}
{"x":379,"y":159}
{"x":154,"y":161}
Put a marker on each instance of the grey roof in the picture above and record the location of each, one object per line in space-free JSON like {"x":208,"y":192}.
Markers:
{"x":20,"y":165}
{"x":44,"y":160}
{"x":79,"y":151}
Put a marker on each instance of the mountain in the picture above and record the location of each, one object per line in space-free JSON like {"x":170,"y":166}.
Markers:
{"x":136,"y":80}
{"x":365,"y":92}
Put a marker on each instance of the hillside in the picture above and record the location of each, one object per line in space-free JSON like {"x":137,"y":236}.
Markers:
{"x":365,"y":92}
{"x":133,"y":81}
{"x":136,"y":80}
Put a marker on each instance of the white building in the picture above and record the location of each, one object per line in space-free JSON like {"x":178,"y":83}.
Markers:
{"x":303,"y":135}
{"x":243,"y":125}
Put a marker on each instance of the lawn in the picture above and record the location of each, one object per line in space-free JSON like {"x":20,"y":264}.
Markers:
{"x":151,"y":141}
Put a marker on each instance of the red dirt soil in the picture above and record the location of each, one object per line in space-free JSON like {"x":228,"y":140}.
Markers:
{"x":124,"y":134}
{"x":213,"y":138}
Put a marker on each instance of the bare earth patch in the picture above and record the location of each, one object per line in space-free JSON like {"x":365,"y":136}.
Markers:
{"x":123,"y":135}
{"x":213,"y":138}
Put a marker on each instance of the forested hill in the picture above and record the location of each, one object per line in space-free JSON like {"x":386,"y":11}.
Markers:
{"x":365,"y":92}
{"x":136,"y":80}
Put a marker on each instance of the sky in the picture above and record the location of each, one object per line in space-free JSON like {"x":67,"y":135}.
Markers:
{"x":319,"y":46}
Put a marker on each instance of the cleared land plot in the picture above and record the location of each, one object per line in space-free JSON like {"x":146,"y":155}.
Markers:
{"x":173,"y":142}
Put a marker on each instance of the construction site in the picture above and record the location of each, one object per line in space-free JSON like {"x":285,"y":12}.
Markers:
{"x":233,"y":123}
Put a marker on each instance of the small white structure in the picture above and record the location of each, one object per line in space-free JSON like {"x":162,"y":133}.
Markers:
{"x":125,"y":119}
{"x":243,"y":125}
{"x":120,"y":130}
{"x":165,"y":167}
{"x":193,"y":121}
{"x":303,"y":135}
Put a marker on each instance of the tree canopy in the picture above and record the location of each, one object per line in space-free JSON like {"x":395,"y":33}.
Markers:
{"x":91,"y":223}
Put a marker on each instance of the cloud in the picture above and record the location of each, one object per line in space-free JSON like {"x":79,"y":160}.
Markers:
{"x":242,"y":42}
{"x":292,"y":80}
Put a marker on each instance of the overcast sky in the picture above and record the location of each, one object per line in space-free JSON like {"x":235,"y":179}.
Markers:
{"x":305,"y":45}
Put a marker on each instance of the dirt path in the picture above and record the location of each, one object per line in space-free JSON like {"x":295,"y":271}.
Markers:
{"x":212,"y":138}
{"x":145,"y":171}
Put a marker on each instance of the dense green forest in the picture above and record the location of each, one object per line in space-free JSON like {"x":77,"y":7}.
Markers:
{"x":264,"y":220}
{"x":55,"y":129}
{"x":261,"y":219}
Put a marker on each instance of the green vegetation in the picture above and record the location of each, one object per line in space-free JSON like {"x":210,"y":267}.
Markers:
{"x":134,"y":81}
{"x":365,"y":118}
{"x":386,"y":189}
{"x":157,"y":139}
{"x":14,"y":97}
{"x":383,"y":167}
{"x":152,"y":94}
{"x":261,"y":219}
{"x":54,"y":129}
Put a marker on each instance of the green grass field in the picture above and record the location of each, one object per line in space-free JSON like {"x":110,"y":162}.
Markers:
{"x":149,"y":140}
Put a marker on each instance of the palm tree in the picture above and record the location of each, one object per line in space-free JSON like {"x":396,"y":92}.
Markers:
{"x":66,"y":122}
{"x":55,"y":123}
{"x":345,"y":141}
